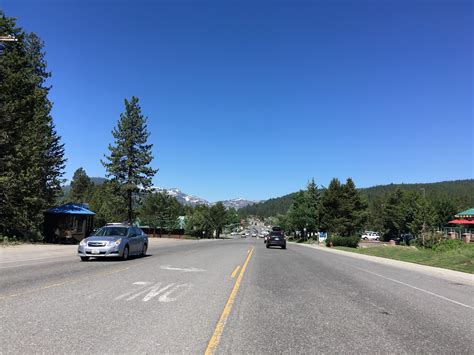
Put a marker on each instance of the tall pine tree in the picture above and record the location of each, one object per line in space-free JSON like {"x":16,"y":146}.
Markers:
{"x":130,"y":156}
{"x":32,"y":159}
{"x":343,"y":210}
{"x":80,"y":186}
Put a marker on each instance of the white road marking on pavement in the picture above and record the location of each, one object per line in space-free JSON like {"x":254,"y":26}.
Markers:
{"x":166,"y":298}
{"x":155,"y":291}
{"x":140,"y":283}
{"x":142,"y":292}
{"x":190,"y":269}
{"x":414,"y":287}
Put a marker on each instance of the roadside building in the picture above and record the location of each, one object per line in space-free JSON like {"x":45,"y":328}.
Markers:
{"x":462,"y":227}
{"x":68,"y":223}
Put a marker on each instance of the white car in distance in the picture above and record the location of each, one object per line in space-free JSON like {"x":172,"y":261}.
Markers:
{"x":369,"y":235}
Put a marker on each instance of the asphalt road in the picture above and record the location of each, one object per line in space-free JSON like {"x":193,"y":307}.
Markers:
{"x":176,"y":300}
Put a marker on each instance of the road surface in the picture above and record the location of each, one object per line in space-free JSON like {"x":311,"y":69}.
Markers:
{"x":229,"y":296}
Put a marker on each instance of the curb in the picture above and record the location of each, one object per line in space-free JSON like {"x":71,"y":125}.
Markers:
{"x":446,"y":274}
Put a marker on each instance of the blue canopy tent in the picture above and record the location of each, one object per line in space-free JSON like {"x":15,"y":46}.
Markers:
{"x":70,"y":222}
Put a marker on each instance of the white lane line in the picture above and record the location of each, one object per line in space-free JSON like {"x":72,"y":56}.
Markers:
{"x":190,"y":269}
{"x":414,"y":287}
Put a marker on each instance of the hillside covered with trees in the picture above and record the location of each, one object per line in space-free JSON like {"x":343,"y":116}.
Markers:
{"x":460,"y":192}
{"x":342,"y":210}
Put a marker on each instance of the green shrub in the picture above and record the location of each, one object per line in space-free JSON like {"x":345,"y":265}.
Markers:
{"x":351,"y":242}
{"x":430,"y":240}
{"x":446,"y":245}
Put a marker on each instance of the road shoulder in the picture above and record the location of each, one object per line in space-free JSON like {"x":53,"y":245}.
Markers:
{"x":446,"y":274}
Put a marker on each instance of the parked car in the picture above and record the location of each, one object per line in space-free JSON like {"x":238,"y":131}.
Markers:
{"x":368,"y":235}
{"x":117,"y":240}
{"x":276,"y":238}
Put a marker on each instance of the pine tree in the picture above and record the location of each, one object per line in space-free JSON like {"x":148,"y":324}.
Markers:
{"x":199,"y":221}
{"x":32,"y":159}
{"x":330,"y":205}
{"x":393,"y":219}
{"x":218,"y":215}
{"x":80,"y":186}
{"x":296,"y":213}
{"x":160,"y":210}
{"x":128,"y":163}
{"x":343,"y":210}
{"x":108,"y":203}
{"x":313,"y":196}
{"x":353,"y":210}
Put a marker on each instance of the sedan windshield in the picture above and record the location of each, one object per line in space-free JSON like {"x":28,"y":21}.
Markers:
{"x":112,"y":231}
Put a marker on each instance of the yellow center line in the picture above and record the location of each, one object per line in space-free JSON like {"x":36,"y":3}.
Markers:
{"x":216,"y":337}
{"x":235,"y":271}
{"x":61,"y":283}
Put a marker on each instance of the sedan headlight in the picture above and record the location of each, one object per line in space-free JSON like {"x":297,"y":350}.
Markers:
{"x":83,"y":242}
{"x":114,"y":242}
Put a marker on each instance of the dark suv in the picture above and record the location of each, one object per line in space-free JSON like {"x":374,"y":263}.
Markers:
{"x":276,"y":238}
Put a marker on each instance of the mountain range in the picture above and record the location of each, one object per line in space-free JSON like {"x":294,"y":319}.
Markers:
{"x":181,"y":197}
{"x":459,"y":189}
{"x":191,"y":200}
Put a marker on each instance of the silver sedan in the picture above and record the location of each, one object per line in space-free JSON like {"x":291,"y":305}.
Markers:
{"x":117,"y":240}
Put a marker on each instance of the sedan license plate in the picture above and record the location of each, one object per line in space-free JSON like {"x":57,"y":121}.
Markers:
{"x":95,"y":251}
{"x":277,"y":238}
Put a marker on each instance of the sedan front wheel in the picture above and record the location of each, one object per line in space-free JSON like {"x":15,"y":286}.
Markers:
{"x":125,"y":253}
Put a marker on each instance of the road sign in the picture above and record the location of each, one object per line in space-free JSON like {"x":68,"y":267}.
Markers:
{"x":322,"y":237}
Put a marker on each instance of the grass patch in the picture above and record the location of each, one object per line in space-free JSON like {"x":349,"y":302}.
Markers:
{"x":459,"y":259}
{"x":12,"y":241}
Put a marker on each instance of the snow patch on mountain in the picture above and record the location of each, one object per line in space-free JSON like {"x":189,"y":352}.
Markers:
{"x":191,"y":200}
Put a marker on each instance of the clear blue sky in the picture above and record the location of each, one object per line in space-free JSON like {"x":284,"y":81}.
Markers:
{"x":252,"y":99}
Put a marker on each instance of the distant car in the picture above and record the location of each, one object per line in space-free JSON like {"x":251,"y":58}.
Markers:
{"x":368,"y":235}
{"x":114,"y":240}
{"x":243,"y":235}
{"x":254,"y":234}
{"x":276,"y":238}
{"x":265,"y":237}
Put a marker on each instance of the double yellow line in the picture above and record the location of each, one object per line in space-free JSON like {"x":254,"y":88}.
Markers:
{"x":216,"y":337}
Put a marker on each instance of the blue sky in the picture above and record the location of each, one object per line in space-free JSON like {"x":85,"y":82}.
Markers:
{"x":253,"y":98}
